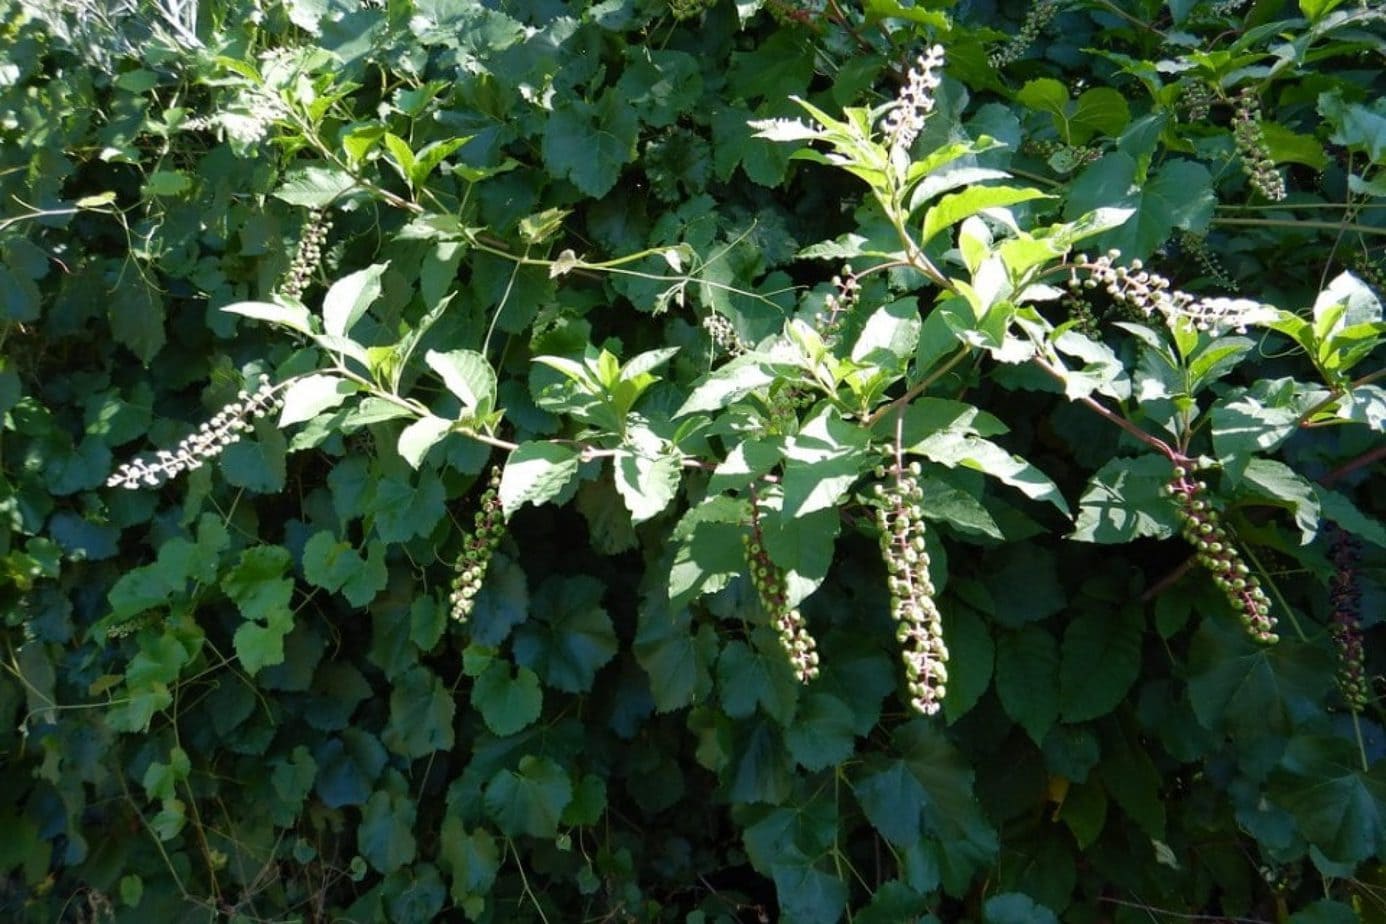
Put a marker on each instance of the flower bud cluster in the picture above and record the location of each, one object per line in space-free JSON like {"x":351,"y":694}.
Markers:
{"x":1197,"y":101}
{"x":1250,"y":138}
{"x":488,"y":526}
{"x":1150,"y":293}
{"x":768,"y":580}
{"x":919,"y":625}
{"x":1204,"y":530}
{"x":1036,"y":19}
{"x":227,"y":427}
{"x":724,"y":336}
{"x":839,"y":304}
{"x":309,"y":254}
{"x":905,"y":120}
{"x":1346,"y":597}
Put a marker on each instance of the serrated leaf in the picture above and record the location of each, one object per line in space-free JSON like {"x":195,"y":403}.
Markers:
{"x":570,"y":636}
{"x":508,"y":702}
{"x":971,"y":654}
{"x":536,"y":473}
{"x":709,"y":549}
{"x":421,"y":714}
{"x":647,"y":484}
{"x":1027,"y":679}
{"x":386,"y":835}
{"x":821,"y":735}
{"x":348,"y":298}
{"x":1100,"y":660}
{"x":589,"y":144}
{"x":990,"y":459}
{"x":822,"y":461}
{"x":530,"y":799}
{"x":1282,"y":486}
{"x":675,"y":657}
{"x":467,"y":375}
{"x":314,"y":187}
{"x":727,"y":385}
{"x":1125,"y":499}
{"x":1179,"y":195}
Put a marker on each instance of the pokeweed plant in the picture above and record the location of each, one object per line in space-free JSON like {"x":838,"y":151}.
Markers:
{"x":689,"y":583}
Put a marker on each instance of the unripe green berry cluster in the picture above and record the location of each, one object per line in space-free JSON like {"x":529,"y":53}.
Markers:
{"x":1149,"y":293}
{"x":1196,"y":246}
{"x":308,"y":256}
{"x":768,"y":580}
{"x":1197,"y":101}
{"x":1217,"y":553}
{"x":1063,"y":158}
{"x":918,"y":622}
{"x":477,"y":548}
{"x":1373,"y":273}
{"x":1036,"y":19}
{"x":1250,"y":139}
{"x":1346,"y":597}
{"x":840,"y":303}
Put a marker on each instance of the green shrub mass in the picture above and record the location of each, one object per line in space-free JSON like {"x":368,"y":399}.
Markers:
{"x":692,"y":460}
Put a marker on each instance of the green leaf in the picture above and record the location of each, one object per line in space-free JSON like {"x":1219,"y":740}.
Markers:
{"x":257,"y":583}
{"x":386,"y":835}
{"x":709,"y":549}
{"x":971,"y":654}
{"x":473,"y":859}
{"x":727,"y":385}
{"x":808,"y":894}
{"x":822,"y":462}
{"x":529,"y":800}
{"x":589,"y":144}
{"x":314,"y":187}
{"x":647,"y":483}
{"x":990,"y":459}
{"x":1016,"y":908}
{"x":1248,"y":690}
{"x":508,"y":702}
{"x":336,"y":566}
{"x":420,"y":436}
{"x":421,"y":714}
{"x":467,"y":375}
{"x":1100,"y":660}
{"x":294,"y":317}
{"x":1356,"y":125}
{"x":166,"y":183}
{"x":1180,"y":195}
{"x":1339,"y":807}
{"x":1325,"y":911}
{"x":821,"y":735}
{"x":893,"y":799}
{"x":309,"y":396}
{"x":403,"y":508}
{"x":536,"y":473}
{"x":953,"y":208}
{"x":749,"y":677}
{"x":676,"y":659}
{"x":1126,"y":499}
{"x":1027,"y":679}
{"x":890,"y":336}
{"x":349,"y":297}
{"x":1278,"y":483}
{"x":570,"y":636}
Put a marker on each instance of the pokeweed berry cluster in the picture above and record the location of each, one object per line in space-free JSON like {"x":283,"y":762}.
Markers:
{"x":1346,"y":597}
{"x":1063,"y":158}
{"x":1196,"y":246}
{"x":211,"y":439}
{"x":1250,"y":138}
{"x":841,"y":302}
{"x":488,"y":526}
{"x":768,"y":580}
{"x":1205,"y":531}
{"x":308,"y":255}
{"x":1196,"y":100}
{"x":1149,"y":294}
{"x":919,"y":625}
{"x":1035,"y":20}
{"x":724,"y":337}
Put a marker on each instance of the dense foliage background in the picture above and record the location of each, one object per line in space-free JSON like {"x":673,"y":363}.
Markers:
{"x":248,"y":692}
